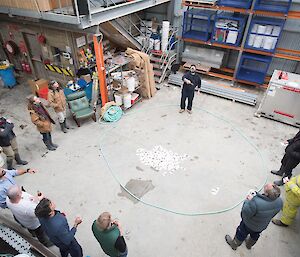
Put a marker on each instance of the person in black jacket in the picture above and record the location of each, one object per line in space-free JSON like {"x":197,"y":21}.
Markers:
{"x":191,"y":80}
{"x":9,"y":144}
{"x":290,"y":159}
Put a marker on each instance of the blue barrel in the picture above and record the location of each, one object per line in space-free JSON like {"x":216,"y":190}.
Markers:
{"x":8,"y":77}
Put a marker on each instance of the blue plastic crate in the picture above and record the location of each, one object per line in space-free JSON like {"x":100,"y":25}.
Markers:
{"x":246,"y":4}
{"x":253,"y":67}
{"x":264,"y":34}
{"x":229,"y":28}
{"x":198,"y":24}
{"x":282,"y":6}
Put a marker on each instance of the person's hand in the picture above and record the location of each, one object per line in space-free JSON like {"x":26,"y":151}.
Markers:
{"x":285,"y":180}
{"x":249,"y":197}
{"x":31,"y":171}
{"x":40,"y":196}
{"x":77,"y":221}
{"x":118,"y":224}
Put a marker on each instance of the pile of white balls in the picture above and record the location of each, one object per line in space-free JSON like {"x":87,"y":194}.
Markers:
{"x":160,"y":158}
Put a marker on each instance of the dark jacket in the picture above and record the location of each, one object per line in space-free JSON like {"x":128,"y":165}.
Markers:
{"x":58,"y":231}
{"x":293,"y":148}
{"x":6,"y":132}
{"x":258,"y":212}
{"x":195,"y":79}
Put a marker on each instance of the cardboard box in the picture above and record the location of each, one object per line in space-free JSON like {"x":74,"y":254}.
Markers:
{"x":35,"y":5}
{"x":37,"y":85}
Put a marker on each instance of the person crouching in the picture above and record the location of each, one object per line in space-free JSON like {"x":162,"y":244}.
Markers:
{"x":42,"y":119}
{"x":57,"y":101}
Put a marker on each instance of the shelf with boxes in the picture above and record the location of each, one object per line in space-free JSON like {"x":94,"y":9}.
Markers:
{"x":264,"y":33}
{"x":229,"y":28}
{"x":259,"y":40}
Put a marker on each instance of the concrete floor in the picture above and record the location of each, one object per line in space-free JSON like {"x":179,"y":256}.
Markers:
{"x":222,"y":166}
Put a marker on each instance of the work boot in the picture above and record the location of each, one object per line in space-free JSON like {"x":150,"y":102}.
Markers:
{"x":250,"y":242}
{"x":277,"y":172}
{"x":49,"y":146}
{"x":189,"y":111}
{"x":62,"y":127}
{"x":181,"y":110}
{"x":279,"y":182}
{"x":234,"y":243}
{"x":65,"y":123}
{"x":54,"y":145}
{"x":9,"y":164}
{"x":19,"y":160}
{"x":279,"y":223}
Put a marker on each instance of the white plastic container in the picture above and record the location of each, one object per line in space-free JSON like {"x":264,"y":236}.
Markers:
{"x":151,"y":43}
{"x":258,"y":41}
{"x":165,"y":35}
{"x":130,"y":83}
{"x":157,"y":44}
{"x":127,"y":100}
{"x":268,"y":43}
{"x":261,"y":29}
{"x":118,"y":99}
{"x":254,"y":28}
{"x":251,"y":39}
{"x":276,"y":31}
{"x":269,"y":30}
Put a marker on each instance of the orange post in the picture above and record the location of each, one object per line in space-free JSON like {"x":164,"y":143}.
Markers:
{"x":97,"y":38}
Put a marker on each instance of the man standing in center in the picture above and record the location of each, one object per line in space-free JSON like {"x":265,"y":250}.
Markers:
{"x":257,"y":212}
{"x":191,"y":80}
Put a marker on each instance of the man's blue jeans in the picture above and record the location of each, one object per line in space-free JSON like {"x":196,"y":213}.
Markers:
{"x":243,"y":231}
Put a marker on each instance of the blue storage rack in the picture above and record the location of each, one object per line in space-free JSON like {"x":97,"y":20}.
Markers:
{"x":246,"y":4}
{"x":282,"y":6}
{"x":267,"y":40}
{"x":253,"y":67}
{"x":230,"y":30}
{"x":198,"y":24}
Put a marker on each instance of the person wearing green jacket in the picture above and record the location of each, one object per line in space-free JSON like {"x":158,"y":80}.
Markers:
{"x":109,"y":234}
{"x":291,"y":203}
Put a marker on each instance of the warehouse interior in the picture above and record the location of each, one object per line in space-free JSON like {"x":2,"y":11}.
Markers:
{"x":176,"y":181}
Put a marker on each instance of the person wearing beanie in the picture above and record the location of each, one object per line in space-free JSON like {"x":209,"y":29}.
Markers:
{"x":42,"y":119}
{"x":8,"y":143}
{"x":57,"y":101}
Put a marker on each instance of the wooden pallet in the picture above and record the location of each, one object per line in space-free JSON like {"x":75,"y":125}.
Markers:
{"x":199,"y":3}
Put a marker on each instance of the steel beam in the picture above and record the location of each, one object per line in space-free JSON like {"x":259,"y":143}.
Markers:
{"x":100,"y":15}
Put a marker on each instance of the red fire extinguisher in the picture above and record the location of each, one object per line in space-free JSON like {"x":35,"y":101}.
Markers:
{"x":28,"y":68}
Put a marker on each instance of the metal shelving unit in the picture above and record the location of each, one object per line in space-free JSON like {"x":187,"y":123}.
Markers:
{"x":282,"y":53}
